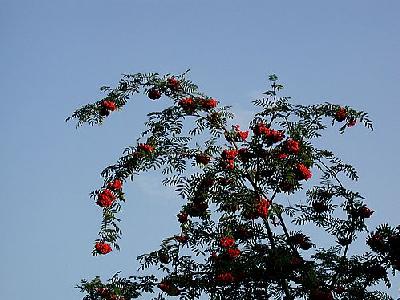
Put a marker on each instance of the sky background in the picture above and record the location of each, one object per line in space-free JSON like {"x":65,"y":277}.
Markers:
{"x":54,"y":56}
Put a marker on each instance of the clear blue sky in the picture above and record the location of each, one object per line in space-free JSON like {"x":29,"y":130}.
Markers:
{"x":55,"y":54}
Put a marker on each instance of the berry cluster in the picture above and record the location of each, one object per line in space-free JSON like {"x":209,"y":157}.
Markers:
{"x":106,"y":107}
{"x":189,"y":105}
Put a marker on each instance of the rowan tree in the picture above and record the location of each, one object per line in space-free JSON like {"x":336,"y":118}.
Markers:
{"x":246,"y":200}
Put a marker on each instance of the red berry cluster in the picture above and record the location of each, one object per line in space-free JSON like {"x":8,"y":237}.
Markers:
{"x":105,"y":198}
{"x":228,"y":157}
{"x":208,"y":103}
{"x":169,"y":288}
{"x":182,"y":217}
{"x":225,"y":277}
{"x":231,"y":252}
{"x":173,"y":84}
{"x":341,"y":114}
{"x":281,"y":155}
{"x":364,"y":212}
{"x":183,"y":238}
{"x":292,"y":146}
{"x":227,"y":242}
{"x":106,"y":107}
{"x":146,"y":148}
{"x":242,"y":135}
{"x":270,"y":135}
{"x":116,"y":184}
{"x":259,"y":209}
{"x":154,"y":93}
{"x":103,"y":248}
{"x":107,"y":294}
{"x":262,"y":208}
{"x":189,"y":105}
{"x":303,"y":172}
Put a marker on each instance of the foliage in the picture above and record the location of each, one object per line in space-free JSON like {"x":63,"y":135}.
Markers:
{"x":235,"y":242}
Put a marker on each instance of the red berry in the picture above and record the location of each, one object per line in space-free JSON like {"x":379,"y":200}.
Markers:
{"x":227,"y":242}
{"x":226,"y":277}
{"x":164,"y":286}
{"x":145,"y":148}
{"x":241,"y":134}
{"x":364,"y":212}
{"x":182,"y":238}
{"x":187,"y":104}
{"x":103,"y":292}
{"x":229,"y":154}
{"x":182,"y":217}
{"x":229,"y":165}
{"x":282,"y":155}
{"x":224,"y":181}
{"x":303,"y":172}
{"x":292,"y":146}
{"x":173,"y":84}
{"x":233,"y":252}
{"x":262,"y":208}
{"x":116,"y":184}
{"x":154,"y":94}
{"x":103,"y":248}
{"x":209,"y":103}
{"x":341,"y":114}
{"x":109,"y":105}
{"x":260,"y":128}
{"x":105,"y":198}
{"x":274,"y":136}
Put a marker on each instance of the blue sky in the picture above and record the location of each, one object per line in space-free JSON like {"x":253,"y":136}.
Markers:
{"x":55,"y":54}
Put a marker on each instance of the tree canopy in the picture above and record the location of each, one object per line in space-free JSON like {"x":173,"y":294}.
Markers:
{"x":247,"y":194}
